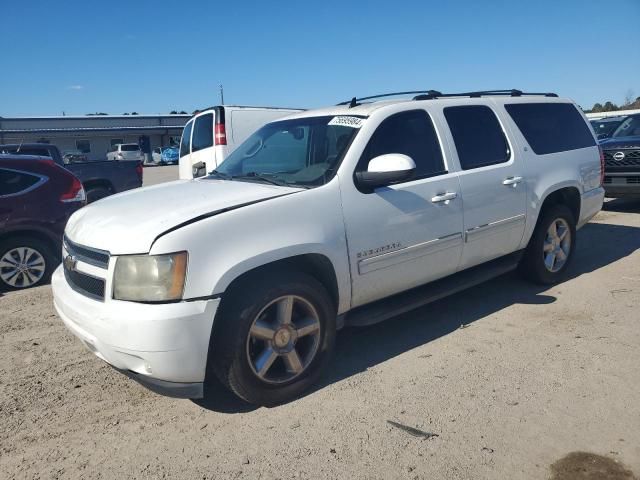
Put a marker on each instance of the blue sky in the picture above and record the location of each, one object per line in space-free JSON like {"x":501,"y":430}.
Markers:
{"x":156,"y":56}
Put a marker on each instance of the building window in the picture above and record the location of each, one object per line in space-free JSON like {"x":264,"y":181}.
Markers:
{"x":83,"y":146}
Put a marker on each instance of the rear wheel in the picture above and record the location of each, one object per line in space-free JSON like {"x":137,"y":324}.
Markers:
{"x":96,"y":193}
{"x":25,"y":262}
{"x":273,"y":338}
{"x":551,"y":247}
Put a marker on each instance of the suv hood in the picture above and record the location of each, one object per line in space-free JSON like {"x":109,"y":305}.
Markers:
{"x":621,"y":142}
{"x":129,"y":222}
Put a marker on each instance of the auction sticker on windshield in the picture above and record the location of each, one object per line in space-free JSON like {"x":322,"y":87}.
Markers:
{"x":347,"y":121}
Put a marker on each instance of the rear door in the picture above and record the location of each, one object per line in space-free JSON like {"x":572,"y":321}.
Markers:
{"x":492,"y":182}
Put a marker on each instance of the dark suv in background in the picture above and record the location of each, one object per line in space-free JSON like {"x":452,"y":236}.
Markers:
{"x":622,"y":159}
{"x":36,"y":199}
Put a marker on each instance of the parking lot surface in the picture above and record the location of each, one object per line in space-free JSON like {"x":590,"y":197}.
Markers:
{"x":511,"y":378}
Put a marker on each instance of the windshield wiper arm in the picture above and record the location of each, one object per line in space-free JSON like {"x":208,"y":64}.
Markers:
{"x":261,"y":176}
{"x":222,"y":175}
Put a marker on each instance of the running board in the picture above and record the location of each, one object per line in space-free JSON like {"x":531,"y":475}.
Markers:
{"x":389,"y":307}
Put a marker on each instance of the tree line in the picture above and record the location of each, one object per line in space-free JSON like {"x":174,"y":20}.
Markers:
{"x":629,"y":104}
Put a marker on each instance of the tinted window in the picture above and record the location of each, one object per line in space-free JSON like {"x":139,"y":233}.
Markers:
{"x":185,"y":144}
{"x":551,"y":127}
{"x":203,"y":132}
{"x":83,"y":146}
{"x":130,"y":147}
{"x":409,"y":133}
{"x":478,"y":136}
{"x":14,"y":182}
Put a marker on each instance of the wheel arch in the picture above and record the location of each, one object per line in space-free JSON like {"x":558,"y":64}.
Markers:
{"x":566,"y":194}
{"x":54,"y":246}
{"x":317,"y":265}
{"x":98,"y":183}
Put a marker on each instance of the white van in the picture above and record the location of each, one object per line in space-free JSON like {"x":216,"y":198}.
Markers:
{"x":215,"y":132}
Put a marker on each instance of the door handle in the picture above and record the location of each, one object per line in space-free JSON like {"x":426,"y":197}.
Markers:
{"x":444,"y":197}
{"x":512,"y":181}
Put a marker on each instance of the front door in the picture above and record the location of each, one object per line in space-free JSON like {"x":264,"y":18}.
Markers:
{"x":407,"y":234}
{"x":492,"y":183}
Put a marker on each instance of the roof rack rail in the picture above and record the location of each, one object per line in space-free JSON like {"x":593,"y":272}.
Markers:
{"x":431,"y":94}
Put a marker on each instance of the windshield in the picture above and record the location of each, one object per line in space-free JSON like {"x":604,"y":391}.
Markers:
{"x":629,"y":128}
{"x":304,"y":151}
{"x":605,"y":126}
{"x":129,"y":147}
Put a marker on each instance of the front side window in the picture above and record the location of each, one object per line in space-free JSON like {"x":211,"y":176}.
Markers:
{"x":304,"y":151}
{"x":84,"y":146}
{"x":551,"y":127}
{"x":185,"y":143}
{"x":12,"y":182}
{"x":478,"y":136}
{"x":202,"y":132}
{"x":409,"y":133}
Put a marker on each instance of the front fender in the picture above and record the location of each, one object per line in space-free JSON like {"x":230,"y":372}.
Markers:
{"x":225,"y":246}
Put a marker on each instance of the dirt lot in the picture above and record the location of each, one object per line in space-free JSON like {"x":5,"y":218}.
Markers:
{"x":534,"y":375}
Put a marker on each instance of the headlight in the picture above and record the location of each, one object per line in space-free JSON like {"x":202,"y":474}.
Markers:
{"x":150,"y":278}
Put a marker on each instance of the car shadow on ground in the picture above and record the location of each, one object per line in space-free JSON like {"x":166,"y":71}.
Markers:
{"x":627,"y":205}
{"x":358,"y":349}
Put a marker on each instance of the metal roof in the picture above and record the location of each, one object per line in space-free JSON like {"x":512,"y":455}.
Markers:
{"x":91,"y":129}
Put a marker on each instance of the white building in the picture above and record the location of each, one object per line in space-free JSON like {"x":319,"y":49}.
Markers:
{"x":94,"y":134}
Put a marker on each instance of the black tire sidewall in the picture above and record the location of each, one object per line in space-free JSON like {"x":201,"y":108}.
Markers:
{"x":36,"y":244}
{"x":533,"y":264}
{"x":236,"y":315}
{"x":97,"y":193}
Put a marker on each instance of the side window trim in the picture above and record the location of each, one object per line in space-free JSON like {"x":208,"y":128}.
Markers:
{"x":41,"y":180}
{"x":359,"y":166}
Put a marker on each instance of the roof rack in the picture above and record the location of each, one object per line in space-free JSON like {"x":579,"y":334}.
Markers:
{"x":431,"y":94}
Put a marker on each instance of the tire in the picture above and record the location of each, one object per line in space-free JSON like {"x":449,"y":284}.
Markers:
{"x":25,"y":251}
{"x":235,"y":352}
{"x":535,"y":265}
{"x":96,"y":193}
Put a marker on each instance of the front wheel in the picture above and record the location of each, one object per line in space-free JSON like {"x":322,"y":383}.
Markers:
{"x":551,"y":247}
{"x":274,"y":335}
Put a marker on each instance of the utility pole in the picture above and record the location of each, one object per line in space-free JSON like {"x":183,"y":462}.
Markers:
{"x":221,"y":95}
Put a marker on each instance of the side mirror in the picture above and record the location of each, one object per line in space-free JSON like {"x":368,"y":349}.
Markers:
{"x":386,"y":170}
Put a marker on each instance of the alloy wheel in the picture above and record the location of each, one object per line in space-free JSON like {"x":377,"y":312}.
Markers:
{"x":283,"y":339}
{"x":557,"y":245}
{"x":22,"y":267}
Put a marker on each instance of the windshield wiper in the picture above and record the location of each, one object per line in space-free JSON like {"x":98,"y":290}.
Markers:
{"x":221,"y":175}
{"x":264,"y":177}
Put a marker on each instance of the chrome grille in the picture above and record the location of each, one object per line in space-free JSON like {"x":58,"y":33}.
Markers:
{"x":92,"y":256}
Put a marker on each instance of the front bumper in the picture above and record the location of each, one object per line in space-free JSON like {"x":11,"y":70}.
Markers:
{"x":622,"y":184}
{"x":163,"y":346}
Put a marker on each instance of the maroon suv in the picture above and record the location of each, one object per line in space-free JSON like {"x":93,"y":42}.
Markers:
{"x":36,"y":199}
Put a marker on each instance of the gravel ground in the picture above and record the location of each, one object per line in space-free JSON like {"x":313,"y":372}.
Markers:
{"x":515,"y":381}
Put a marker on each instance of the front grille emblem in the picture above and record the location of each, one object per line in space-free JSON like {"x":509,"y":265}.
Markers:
{"x":618,"y":156}
{"x":70,"y":263}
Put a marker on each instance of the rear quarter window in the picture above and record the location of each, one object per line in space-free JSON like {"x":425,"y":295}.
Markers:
{"x":12,"y":182}
{"x":551,"y":127}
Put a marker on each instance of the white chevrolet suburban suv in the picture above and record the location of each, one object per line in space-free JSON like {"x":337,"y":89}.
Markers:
{"x":347,"y":215}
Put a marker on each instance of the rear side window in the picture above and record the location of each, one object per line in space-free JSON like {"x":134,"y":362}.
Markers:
{"x":203,"y":132}
{"x":185,"y":144}
{"x":551,"y":127}
{"x":478,"y":136}
{"x":12,"y":182}
{"x":129,"y":147}
{"x":409,"y":133}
